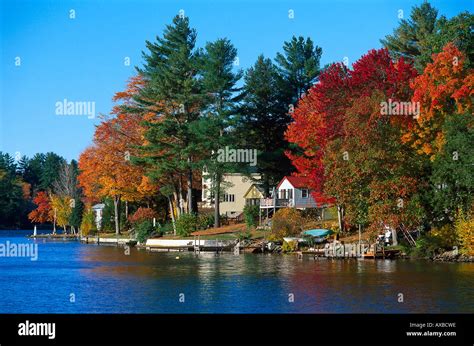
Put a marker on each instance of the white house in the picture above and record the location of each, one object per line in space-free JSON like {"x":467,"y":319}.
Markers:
{"x":292,"y":192}
{"x":98,"y":210}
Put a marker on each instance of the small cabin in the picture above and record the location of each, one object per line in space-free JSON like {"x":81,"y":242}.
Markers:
{"x":297,"y":191}
{"x":291,"y":192}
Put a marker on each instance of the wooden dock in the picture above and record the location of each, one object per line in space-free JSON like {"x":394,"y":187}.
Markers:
{"x":351,"y":250}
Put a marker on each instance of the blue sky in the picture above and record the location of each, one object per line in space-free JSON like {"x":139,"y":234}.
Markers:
{"x":82,"y":59}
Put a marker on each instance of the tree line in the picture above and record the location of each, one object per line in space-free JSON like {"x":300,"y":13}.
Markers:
{"x":184,"y":104}
{"x":38,"y":190}
{"x":386,"y":140}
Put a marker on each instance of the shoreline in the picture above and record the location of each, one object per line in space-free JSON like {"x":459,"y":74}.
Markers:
{"x":227,"y":246}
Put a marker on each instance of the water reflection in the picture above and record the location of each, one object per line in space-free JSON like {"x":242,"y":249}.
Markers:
{"x":105,"y":279}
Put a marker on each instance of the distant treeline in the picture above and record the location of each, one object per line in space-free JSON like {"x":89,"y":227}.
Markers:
{"x":21,"y":180}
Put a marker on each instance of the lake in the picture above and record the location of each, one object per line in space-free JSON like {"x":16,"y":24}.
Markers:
{"x":70,"y":277}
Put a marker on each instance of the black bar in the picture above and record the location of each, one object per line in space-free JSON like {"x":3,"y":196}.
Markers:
{"x":241,"y":329}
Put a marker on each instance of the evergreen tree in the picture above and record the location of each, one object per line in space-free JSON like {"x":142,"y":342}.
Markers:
{"x":411,"y":39}
{"x":219,"y":82}
{"x":263,"y":120}
{"x":30,"y":170}
{"x":299,"y":65}
{"x":173,"y":92}
{"x":457,"y":30}
{"x":11,"y":194}
{"x":50,"y":170}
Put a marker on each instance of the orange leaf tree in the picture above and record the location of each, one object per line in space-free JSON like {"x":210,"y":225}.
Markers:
{"x":106,"y":167}
{"x":445,"y":88}
{"x":42,"y":213}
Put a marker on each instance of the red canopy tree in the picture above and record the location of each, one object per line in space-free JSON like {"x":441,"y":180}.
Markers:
{"x":349,"y":147}
{"x":43,"y":211}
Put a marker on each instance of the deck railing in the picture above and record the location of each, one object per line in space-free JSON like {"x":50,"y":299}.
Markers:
{"x":278,"y":203}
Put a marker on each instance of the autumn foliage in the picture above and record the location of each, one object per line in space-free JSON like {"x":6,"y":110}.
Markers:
{"x":142,"y":214}
{"x":43,"y":211}
{"x":445,"y":88}
{"x":350,"y":149}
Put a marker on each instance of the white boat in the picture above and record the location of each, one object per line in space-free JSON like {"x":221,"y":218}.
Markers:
{"x":299,"y":240}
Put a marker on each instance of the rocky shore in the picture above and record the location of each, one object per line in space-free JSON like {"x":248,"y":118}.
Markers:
{"x":453,"y":256}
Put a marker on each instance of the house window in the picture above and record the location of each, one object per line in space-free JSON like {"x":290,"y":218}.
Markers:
{"x":290,"y":194}
{"x":304,"y":193}
{"x":252,"y":201}
{"x":229,"y":197}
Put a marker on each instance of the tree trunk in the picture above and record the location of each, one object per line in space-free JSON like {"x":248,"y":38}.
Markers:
{"x":176,"y":199}
{"x":181,"y":198}
{"x":172,"y":215}
{"x":126,"y":210}
{"x":116,"y":212}
{"x":54,"y":222}
{"x":190,"y":188}
{"x":217,"y":201}
{"x":340,"y":217}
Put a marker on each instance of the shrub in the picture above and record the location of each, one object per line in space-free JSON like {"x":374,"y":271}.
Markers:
{"x":224,"y":219}
{"x":464,"y":229}
{"x":88,"y":222}
{"x":186,"y":224}
{"x":273,"y":238}
{"x":251,"y":215}
{"x":289,"y":246}
{"x":166,"y":228}
{"x":287,"y":222}
{"x":205,"y":221}
{"x":141,"y":215}
{"x":144,"y":230}
{"x":245,"y":236}
{"x":436,"y":241}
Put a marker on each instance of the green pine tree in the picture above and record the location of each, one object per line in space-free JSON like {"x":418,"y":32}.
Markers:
{"x":219,"y":83}
{"x":174,"y":92}
{"x":299,"y":65}
{"x":263,"y":120}
{"x":50,"y":170}
{"x":411,"y":39}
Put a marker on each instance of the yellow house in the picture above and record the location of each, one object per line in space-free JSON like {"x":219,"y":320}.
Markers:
{"x":234,"y":186}
{"x":253,"y":195}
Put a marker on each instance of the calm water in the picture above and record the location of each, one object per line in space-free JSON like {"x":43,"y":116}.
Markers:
{"x":106,"y":280}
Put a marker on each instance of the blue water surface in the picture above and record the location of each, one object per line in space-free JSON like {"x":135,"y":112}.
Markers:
{"x":71,"y":277}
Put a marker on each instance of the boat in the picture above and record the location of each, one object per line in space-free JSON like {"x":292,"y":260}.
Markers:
{"x":295,"y":239}
{"x":319,"y":234}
